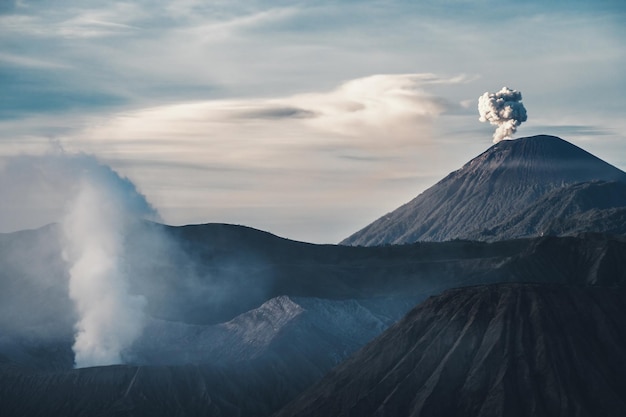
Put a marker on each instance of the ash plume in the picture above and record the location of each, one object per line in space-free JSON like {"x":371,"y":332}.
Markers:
{"x":503,"y":109}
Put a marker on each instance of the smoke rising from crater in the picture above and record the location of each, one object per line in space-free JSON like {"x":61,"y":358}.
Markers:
{"x":104,"y":208}
{"x":97,"y":208}
{"x":503,"y":109}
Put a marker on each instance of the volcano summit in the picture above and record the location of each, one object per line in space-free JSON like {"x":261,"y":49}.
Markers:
{"x":478,"y":200}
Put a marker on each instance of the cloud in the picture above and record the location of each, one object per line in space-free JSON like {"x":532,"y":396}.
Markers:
{"x":77,"y":22}
{"x":291,"y":154}
{"x":367,"y":107}
{"x":387,"y":107}
{"x":160,"y":52}
{"x":378,"y":112}
{"x":277,"y":112}
{"x":29,"y":62}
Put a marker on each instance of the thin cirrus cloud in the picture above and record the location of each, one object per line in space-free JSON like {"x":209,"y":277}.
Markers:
{"x":74,"y":22}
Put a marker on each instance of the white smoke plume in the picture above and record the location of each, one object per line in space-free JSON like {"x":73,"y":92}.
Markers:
{"x":97,"y":207}
{"x":503,"y":109}
{"x":110,"y":318}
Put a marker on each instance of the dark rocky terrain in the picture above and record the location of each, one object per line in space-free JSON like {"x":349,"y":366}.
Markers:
{"x":249,"y":352}
{"x":138,"y":391}
{"x":512,"y":180}
{"x":510,"y":350}
{"x":590,"y":206}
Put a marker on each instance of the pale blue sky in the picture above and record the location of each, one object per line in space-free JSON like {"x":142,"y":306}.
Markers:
{"x":306,"y":119}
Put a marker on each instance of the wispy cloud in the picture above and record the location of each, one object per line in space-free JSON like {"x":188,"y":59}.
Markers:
{"x":29,"y":62}
{"x":294,"y":153}
{"x":365,"y":112}
{"x":72,"y":22}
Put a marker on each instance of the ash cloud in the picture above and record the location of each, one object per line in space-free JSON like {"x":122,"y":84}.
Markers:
{"x":503,"y":109}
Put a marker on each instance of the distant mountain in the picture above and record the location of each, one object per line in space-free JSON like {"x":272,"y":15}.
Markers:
{"x":488,"y":196}
{"x":514,"y":350}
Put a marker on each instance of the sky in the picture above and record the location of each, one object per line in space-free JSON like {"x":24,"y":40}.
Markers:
{"x":307,"y":119}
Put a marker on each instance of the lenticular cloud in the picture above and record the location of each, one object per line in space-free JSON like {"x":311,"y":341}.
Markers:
{"x":503,"y":109}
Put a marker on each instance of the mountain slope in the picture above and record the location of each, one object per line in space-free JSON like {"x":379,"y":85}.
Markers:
{"x":510,"y":350}
{"x":598,"y":206}
{"x":504,"y":180}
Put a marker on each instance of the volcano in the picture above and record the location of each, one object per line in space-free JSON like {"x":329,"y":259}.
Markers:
{"x":481,"y":200}
{"x":512,"y":350}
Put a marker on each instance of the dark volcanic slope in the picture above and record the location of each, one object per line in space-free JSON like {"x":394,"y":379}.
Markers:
{"x":504,"y":180}
{"x":599,"y":206}
{"x":147,"y":391}
{"x":509,"y":350}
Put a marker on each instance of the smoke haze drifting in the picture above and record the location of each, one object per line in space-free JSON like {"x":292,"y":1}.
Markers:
{"x":503,"y":109}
